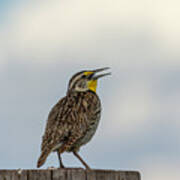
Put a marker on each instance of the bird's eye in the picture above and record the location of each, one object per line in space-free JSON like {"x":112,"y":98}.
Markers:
{"x":84,"y":76}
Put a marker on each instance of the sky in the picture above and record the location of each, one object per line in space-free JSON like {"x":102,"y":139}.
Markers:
{"x":43,"y":43}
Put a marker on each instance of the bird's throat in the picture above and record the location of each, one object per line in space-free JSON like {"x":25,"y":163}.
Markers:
{"x":92,"y":85}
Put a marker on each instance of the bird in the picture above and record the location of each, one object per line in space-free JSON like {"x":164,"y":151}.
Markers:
{"x":73,"y":121}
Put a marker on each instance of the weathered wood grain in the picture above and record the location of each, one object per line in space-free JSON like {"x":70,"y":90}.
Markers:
{"x":68,"y":174}
{"x":13,"y":175}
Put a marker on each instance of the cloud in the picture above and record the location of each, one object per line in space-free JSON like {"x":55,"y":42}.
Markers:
{"x":164,"y":16}
{"x":160,"y":169}
{"x":115,"y":32}
{"x":47,"y":25}
{"x":133,"y":105}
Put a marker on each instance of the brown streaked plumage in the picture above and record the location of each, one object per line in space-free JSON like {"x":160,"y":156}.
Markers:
{"x":73,"y":121}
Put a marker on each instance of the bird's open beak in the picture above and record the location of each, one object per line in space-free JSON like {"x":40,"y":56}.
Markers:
{"x":95,"y":76}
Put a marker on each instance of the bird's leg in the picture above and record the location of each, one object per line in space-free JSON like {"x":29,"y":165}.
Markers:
{"x":60,"y":160}
{"x":82,"y":161}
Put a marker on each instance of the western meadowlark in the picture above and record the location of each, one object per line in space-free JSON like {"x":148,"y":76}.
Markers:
{"x":73,"y":121}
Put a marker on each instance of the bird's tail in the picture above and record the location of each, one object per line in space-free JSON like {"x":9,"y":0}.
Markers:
{"x":42,"y":158}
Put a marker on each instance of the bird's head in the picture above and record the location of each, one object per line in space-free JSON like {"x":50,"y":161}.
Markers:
{"x":86,"y":80}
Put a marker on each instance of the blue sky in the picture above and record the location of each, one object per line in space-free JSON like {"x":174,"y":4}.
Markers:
{"x":5,"y":6}
{"x":43,"y":43}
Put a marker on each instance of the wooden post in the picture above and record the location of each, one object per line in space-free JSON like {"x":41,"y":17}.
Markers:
{"x":68,"y":174}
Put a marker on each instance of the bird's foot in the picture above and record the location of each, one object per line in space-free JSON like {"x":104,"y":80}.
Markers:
{"x":62,"y":166}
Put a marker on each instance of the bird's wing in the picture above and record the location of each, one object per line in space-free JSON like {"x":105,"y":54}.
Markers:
{"x":50,"y":138}
{"x":52,"y":123}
